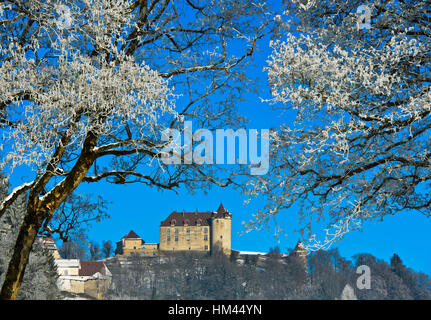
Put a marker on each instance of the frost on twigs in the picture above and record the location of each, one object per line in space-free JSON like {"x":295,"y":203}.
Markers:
{"x":87,"y":88}
{"x":360,"y":146}
{"x":70,"y":93}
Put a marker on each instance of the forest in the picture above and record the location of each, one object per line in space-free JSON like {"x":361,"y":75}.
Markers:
{"x":192,"y":276}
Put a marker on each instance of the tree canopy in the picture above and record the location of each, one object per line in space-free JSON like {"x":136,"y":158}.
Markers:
{"x":87,"y":88}
{"x":359,"y":148}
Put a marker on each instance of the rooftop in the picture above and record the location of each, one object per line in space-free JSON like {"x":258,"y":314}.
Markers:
{"x":194,"y":218}
{"x":131,"y":235}
{"x":89,"y":268}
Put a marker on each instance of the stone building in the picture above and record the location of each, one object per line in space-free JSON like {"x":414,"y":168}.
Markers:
{"x":91,"y":278}
{"x":130,"y":243}
{"x":196,"y":231}
{"x":183,"y":231}
{"x":150,"y":249}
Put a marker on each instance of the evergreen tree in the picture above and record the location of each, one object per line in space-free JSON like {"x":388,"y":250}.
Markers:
{"x":41,"y":273}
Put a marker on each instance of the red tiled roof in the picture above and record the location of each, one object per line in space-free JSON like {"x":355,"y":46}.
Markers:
{"x":89,"y":268}
{"x":221,"y":209}
{"x":222,"y":212}
{"x":192,"y":218}
{"x":131,"y":235}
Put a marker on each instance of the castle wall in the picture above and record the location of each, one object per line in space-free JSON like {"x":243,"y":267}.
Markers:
{"x":131,"y":246}
{"x":185,"y":238}
{"x":92,"y":286}
{"x":150,"y":249}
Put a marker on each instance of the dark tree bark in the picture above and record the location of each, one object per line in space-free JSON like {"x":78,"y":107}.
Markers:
{"x":40,"y":210}
{"x":26,"y":237}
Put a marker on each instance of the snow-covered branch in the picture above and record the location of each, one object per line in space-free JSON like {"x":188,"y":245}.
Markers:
{"x":360,"y":146}
{"x":4,"y":205}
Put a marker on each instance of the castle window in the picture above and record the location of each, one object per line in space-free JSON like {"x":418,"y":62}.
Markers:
{"x":186,"y":222}
{"x":169,"y":238}
{"x":173,"y":222}
{"x":198,"y":222}
{"x":188,"y":237}
{"x":205,"y":237}
{"x":168,"y":230}
{"x":205,"y":230}
{"x":188,"y":230}
{"x":176,"y":238}
{"x":176,"y":230}
{"x":206,"y":248}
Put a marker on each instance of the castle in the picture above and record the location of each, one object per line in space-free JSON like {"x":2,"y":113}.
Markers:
{"x":195,"y":231}
{"x":180,"y":231}
{"x":184,"y":231}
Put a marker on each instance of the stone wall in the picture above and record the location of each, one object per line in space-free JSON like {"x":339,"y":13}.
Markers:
{"x":185,"y":238}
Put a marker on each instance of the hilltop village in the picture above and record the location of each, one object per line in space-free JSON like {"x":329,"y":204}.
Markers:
{"x":203,"y":232}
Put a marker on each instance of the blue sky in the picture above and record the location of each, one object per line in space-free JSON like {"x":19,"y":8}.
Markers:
{"x":141,"y":208}
{"x":138,"y":207}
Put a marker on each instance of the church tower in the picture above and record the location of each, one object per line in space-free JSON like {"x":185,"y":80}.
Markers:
{"x":221,"y":223}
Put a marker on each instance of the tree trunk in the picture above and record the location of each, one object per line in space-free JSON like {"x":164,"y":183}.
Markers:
{"x":35,"y":216}
{"x":15,"y":273}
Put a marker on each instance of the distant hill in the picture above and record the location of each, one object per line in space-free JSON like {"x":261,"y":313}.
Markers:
{"x":191,"y":275}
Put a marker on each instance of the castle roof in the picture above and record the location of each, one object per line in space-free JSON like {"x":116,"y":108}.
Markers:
{"x":194,"y":218}
{"x":131,"y":235}
{"x":221,"y":209}
{"x":190,"y":218}
{"x":300,"y":249}
{"x":222,"y":212}
{"x":299,"y":246}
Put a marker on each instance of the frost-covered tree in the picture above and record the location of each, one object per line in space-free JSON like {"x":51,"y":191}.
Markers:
{"x":88,"y":86}
{"x":39,"y":282}
{"x":359,"y":147}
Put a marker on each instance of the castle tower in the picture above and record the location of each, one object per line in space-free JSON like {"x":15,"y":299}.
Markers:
{"x":221,"y":225}
{"x":301,"y":252}
{"x":130,"y":243}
